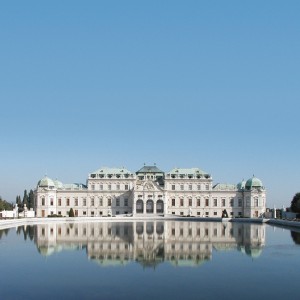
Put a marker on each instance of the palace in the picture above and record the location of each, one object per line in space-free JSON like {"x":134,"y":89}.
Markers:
{"x":148,"y":192}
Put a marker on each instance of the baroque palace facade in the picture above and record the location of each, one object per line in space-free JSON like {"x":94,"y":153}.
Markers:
{"x":150,"y":191}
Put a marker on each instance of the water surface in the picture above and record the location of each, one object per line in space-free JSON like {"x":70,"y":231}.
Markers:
{"x":149,"y":260}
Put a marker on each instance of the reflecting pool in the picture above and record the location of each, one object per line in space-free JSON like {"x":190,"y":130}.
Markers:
{"x":149,"y":260}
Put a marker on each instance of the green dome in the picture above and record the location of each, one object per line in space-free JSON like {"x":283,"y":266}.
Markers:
{"x":58,"y":184}
{"x":241,"y":185}
{"x":46,"y":182}
{"x":253,"y":183}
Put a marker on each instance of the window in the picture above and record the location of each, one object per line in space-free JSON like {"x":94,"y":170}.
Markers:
{"x":92,"y":213}
{"x":117,"y":202}
{"x":207,"y":214}
{"x":173,"y":187}
{"x":190,"y":201}
{"x":109,"y":187}
{"x":84,"y":213}
{"x":231,"y":202}
{"x":59,"y":202}
{"x":215,"y":213}
{"x":206,"y":202}
{"x":181,"y":213}
{"x":59,"y":212}
{"x":109,"y":202}
{"x":240,"y":203}
{"x":173,"y":202}
{"x":173,"y":231}
{"x":93,"y":187}
{"x":84,"y":202}
{"x":198,"y":202}
{"x":255,"y":201}
{"x":126,"y":202}
{"x":190,"y":187}
{"x":117,"y":212}
{"x":51,"y":201}
{"x":68,"y":202}
{"x":182,"y":187}
{"x":92,"y":202}
{"x":198,"y":213}
{"x":126,"y":187}
{"x":240,"y":214}
{"x":173,"y":212}
{"x":207,"y":187}
{"x":43,"y":201}
{"x":101,"y":202}
{"x":101,"y":187}
{"x":248,"y":202}
{"x":223,"y":202}
{"x":215,"y":202}
{"x":118,"y":186}
{"x":199,"y":187}
{"x":181,"y":202}
{"x":76,"y":201}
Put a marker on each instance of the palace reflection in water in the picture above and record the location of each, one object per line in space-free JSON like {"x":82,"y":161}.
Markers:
{"x":150,"y":243}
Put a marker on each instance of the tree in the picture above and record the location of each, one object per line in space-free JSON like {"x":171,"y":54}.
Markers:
{"x":71,"y":213}
{"x":295,"y":204}
{"x":25,"y":198}
{"x":18,"y":201}
{"x":31,"y":199}
{"x":4,"y":205}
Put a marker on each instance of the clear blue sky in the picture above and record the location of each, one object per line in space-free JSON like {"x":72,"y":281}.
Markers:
{"x":209,"y":84}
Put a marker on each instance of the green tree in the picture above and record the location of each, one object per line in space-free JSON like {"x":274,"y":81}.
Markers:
{"x":31,"y":199}
{"x":71,"y":213}
{"x":18,"y":201}
{"x":295,"y":204}
{"x":4,"y":205}
{"x":25,"y":198}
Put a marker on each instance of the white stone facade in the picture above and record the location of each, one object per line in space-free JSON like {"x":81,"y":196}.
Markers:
{"x":150,"y":191}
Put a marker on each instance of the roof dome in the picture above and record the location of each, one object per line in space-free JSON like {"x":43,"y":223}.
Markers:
{"x":241,"y":185}
{"x":253,"y":183}
{"x":58,"y":184}
{"x":46,"y":182}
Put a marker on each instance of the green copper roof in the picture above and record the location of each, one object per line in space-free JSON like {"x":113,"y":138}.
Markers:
{"x":253,"y":183}
{"x":113,"y":171}
{"x":149,"y":169}
{"x":224,"y":187}
{"x":191,"y":171}
{"x":46,"y":182}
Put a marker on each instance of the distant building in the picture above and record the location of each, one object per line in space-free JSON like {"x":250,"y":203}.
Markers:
{"x":150,"y":191}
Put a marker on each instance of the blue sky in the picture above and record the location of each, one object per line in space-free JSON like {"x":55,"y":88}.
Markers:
{"x":209,"y":84}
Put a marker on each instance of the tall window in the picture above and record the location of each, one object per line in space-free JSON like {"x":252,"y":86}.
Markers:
{"x":126,"y":186}
{"x":215,"y":202}
{"x":190,"y":201}
{"x":118,"y":186}
{"x":173,"y":187}
{"x":182,"y":187}
{"x":255,"y":201}
{"x":126,"y":202}
{"x":109,"y":202}
{"x":199,"y":187}
{"x":68,"y":202}
{"x":76,"y":201}
{"x":198,"y":202}
{"x":231,"y":202}
{"x":109,"y":187}
{"x":84,"y":202}
{"x":43,"y":201}
{"x":51,"y":201}
{"x":93,"y":187}
{"x":206,"y":202}
{"x":181,"y":202}
{"x":59,"y":202}
{"x":223,"y":202}
{"x":207,"y":187}
{"x":190,"y":187}
{"x":92,"y":202}
{"x":117,"y":202}
{"x":240,"y":202}
{"x":173,"y":202}
{"x":101,"y":187}
{"x":101,"y":202}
